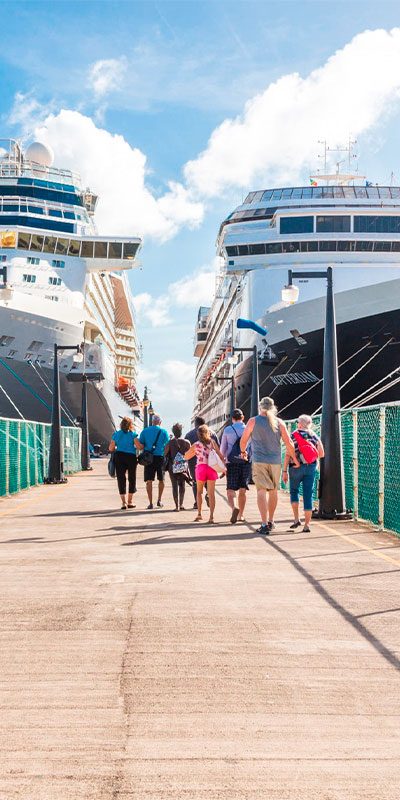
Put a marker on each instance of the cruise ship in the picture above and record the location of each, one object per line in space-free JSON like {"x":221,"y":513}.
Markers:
{"x":337,"y":220}
{"x":61,"y":283}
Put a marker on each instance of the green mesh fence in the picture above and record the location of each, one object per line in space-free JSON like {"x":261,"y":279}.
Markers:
{"x":371,"y":459}
{"x":24,"y":453}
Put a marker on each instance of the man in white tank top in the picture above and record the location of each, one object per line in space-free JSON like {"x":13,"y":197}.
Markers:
{"x":266,"y":431}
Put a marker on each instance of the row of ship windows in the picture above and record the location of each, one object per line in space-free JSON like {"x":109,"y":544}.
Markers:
{"x":42,"y":193}
{"x":36,"y":261}
{"x":340,"y":224}
{"x":23,"y":208}
{"x":305,"y":192}
{"x":75,"y":247}
{"x":29,"y":278}
{"x":268,"y":248}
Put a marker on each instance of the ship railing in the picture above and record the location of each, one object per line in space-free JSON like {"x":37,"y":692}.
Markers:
{"x":29,"y":169}
{"x":370,"y":438}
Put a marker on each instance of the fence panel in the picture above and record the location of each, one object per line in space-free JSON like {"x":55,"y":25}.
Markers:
{"x":391,"y":515}
{"x":24,"y":453}
{"x":371,"y":459}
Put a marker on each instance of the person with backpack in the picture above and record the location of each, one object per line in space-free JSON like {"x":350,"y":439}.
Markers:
{"x":152,"y":442}
{"x":308,"y":449}
{"x":177,"y":466}
{"x":238,"y":470}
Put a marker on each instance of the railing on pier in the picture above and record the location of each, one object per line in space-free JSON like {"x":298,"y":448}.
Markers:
{"x":24,"y":453}
{"x":371,"y":455}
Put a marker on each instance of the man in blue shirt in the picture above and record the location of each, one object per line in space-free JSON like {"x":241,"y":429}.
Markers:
{"x":150,"y":436}
{"x":238,"y":473}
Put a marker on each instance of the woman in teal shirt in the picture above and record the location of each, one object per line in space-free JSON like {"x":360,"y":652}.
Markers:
{"x":123,"y":443}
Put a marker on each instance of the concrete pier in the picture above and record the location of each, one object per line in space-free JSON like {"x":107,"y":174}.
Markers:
{"x":145,"y":657}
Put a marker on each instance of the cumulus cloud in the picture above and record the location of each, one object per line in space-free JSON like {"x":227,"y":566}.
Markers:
{"x":117,"y":171}
{"x":26,"y":112}
{"x":191,"y":291}
{"x":106,"y":75}
{"x":275,"y":137}
{"x":171,"y":390}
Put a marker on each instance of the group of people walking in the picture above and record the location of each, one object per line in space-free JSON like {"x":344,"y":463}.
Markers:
{"x":251,"y":452}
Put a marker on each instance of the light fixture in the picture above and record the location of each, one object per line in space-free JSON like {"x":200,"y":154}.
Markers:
{"x":78,"y":358}
{"x":233,"y":359}
{"x":290,"y":293}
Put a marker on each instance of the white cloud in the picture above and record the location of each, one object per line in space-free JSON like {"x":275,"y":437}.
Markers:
{"x":190,"y":291}
{"x":171,"y":390}
{"x":117,"y":171}
{"x":155,"y":310}
{"x":275,"y":137}
{"x":106,"y":75}
{"x":27,"y":112}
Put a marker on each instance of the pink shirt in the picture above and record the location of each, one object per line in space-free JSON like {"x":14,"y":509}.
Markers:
{"x":202,"y":453}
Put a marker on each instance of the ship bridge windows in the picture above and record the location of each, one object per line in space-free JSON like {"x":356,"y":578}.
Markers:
{"x":32,"y":260}
{"x":28,"y":278}
{"x":86,"y":248}
{"x":58,"y":264}
{"x":49,"y":244}
{"x":35,"y":210}
{"x":375,"y":224}
{"x":296,"y":225}
{"x":7,"y":207}
{"x":36,"y":242}
{"x":115,"y":250}
{"x":100,"y":249}
{"x":333,"y":224}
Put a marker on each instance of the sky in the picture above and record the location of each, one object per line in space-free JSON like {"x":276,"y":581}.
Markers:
{"x":173,"y":111}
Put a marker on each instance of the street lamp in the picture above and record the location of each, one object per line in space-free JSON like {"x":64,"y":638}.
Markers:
{"x":85,"y":450}
{"x":233,"y":400}
{"x":56,"y":458}
{"x":332,"y":504}
{"x":151,"y":412}
{"x":146,"y":403}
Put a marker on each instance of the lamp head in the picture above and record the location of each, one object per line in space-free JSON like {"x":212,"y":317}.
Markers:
{"x":78,"y":357}
{"x":290,"y":293}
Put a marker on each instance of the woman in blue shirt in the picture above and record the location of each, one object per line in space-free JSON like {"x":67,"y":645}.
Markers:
{"x":123,"y":443}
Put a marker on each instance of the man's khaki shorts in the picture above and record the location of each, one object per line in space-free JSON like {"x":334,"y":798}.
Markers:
{"x":266,"y":476}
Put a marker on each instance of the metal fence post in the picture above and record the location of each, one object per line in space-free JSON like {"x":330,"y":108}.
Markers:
{"x":382,"y":421}
{"x":19,"y":458}
{"x":27,"y":455}
{"x":37,"y":454}
{"x":7,"y":486}
{"x":355,"y":464}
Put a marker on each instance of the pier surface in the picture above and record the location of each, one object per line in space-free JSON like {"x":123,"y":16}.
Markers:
{"x":144,"y":657}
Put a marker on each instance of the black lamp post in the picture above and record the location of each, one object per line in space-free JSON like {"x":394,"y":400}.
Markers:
{"x":85,"y":452}
{"x":332,"y":503}
{"x":146,"y":403}
{"x":233,"y":400}
{"x":56,"y":456}
{"x":151,"y":412}
{"x":254,"y":377}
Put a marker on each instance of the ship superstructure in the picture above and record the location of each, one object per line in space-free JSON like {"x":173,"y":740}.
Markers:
{"x":64,"y":284}
{"x":356,"y":229}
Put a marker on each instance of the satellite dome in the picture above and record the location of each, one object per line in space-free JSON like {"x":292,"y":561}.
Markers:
{"x":40,"y":154}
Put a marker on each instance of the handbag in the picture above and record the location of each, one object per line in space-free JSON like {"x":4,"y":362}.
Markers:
{"x":111,"y":465}
{"x":146,"y":456}
{"x":215,"y":462}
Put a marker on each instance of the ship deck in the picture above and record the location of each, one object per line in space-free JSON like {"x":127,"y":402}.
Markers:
{"x":145,"y":657}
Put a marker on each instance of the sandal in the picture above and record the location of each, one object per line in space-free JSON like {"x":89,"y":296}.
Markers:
{"x":123,"y":508}
{"x":131,"y":505}
{"x":198,"y":518}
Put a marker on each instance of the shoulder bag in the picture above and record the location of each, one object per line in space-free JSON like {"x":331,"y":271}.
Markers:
{"x":214,"y":460}
{"x":111,"y":465}
{"x":146,"y":457}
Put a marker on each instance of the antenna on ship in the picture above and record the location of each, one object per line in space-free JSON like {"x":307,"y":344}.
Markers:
{"x":339,"y":178}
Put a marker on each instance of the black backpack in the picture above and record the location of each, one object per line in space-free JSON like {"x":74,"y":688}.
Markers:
{"x":234,"y":456}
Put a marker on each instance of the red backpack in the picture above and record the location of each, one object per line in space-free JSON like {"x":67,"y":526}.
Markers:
{"x":307,"y":448}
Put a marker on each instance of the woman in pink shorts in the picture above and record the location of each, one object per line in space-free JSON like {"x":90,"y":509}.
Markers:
{"x":204,"y":473}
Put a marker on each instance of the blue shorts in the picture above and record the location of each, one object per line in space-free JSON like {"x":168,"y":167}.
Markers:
{"x":304,"y":474}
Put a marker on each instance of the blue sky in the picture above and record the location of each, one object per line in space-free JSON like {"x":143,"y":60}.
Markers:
{"x":129,"y":93}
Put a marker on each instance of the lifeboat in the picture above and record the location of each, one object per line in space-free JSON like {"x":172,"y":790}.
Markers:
{"x":128,"y":392}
